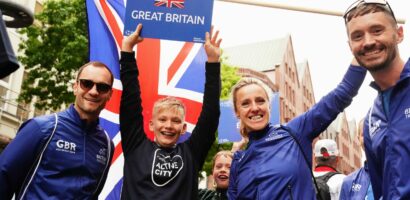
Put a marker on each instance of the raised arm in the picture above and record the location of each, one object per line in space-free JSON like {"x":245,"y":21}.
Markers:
{"x":311,"y":123}
{"x":131,"y":120}
{"x":204,"y":133}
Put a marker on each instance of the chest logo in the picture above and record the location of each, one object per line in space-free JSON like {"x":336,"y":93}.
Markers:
{"x":407,"y":113}
{"x":102,"y":156}
{"x":165,"y":167}
{"x":374,"y":127}
{"x":66,"y":146}
{"x":356,"y":187}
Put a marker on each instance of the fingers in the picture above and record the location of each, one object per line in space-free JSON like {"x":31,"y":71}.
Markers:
{"x":135,"y":37}
{"x":211,"y":31}
{"x":213,"y":39}
{"x":129,"y":42}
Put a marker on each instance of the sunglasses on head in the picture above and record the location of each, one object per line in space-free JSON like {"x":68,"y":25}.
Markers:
{"x":86,"y":85}
{"x":360,"y":2}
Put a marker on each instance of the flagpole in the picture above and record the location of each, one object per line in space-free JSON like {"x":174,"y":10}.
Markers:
{"x":292,"y":7}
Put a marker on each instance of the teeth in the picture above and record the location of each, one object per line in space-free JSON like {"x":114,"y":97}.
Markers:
{"x":168,"y":134}
{"x":372,"y":52}
{"x":256,"y":117}
{"x":223,"y":177}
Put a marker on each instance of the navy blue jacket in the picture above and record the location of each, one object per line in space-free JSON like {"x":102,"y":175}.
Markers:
{"x":273,"y":167}
{"x":74,"y":159}
{"x":387,"y":144}
{"x":355,"y":185}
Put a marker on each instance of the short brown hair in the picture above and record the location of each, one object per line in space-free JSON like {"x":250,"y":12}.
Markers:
{"x":95,"y":64}
{"x":364,"y":9}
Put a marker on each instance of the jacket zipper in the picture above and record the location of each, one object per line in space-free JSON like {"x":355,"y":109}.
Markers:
{"x":290,"y":191}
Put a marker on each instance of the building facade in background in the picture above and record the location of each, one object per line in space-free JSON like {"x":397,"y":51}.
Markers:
{"x":12,"y":113}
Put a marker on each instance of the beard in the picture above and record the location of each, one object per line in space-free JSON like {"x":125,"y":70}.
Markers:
{"x":391,"y":51}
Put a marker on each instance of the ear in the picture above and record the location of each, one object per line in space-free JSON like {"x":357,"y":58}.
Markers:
{"x":75,"y":87}
{"x":400,"y":34}
{"x":151,"y":125}
{"x":184,"y":129}
{"x":109,"y":95}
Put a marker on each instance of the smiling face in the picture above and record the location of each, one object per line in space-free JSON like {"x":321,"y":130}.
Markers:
{"x":168,"y":121}
{"x":252,"y":107}
{"x":374,"y":39}
{"x":89,"y":101}
{"x":221,"y":169}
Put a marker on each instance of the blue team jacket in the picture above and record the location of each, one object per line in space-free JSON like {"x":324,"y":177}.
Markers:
{"x":73,"y":165}
{"x":355,"y":185}
{"x":387,"y":144}
{"x":273,"y":167}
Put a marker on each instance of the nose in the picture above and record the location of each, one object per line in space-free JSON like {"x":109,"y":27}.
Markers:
{"x":369,"y":41}
{"x":93,"y":90}
{"x":168,"y":124}
{"x":254,"y":106}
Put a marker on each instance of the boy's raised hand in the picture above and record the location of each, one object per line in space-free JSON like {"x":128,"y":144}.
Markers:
{"x":129,"y":42}
{"x":212,"y":44}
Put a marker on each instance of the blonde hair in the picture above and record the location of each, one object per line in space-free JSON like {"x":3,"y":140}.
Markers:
{"x":224,"y":153}
{"x":245,"y":81}
{"x":169,"y":103}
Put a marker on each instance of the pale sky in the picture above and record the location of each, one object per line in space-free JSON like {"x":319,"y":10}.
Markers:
{"x":319,"y":39}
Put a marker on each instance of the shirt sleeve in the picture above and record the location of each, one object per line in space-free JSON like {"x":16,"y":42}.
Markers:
{"x":18,"y":158}
{"x":203,"y":134}
{"x":131,"y":119}
{"x":232,"y":187}
{"x":311,"y":123}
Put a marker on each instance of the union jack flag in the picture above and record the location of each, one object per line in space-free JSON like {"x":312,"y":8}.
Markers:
{"x":170,"y":3}
{"x":167,"y":68}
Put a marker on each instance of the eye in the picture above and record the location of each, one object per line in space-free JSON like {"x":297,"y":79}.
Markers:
{"x":260,"y":101}
{"x":378,"y":31}
{"x":177,"y":121}
{"x":356,"y":36}
{"x":245,"y":104}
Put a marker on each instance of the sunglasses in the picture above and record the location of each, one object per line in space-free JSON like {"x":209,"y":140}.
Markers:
{"x":86,"y":85}
{"x":360,"y":2}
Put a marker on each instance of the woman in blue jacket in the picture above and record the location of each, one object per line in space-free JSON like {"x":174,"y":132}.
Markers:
{"x":273,"y":166}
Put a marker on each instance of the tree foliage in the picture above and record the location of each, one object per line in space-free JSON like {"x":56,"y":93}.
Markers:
{"x":52,"y":50}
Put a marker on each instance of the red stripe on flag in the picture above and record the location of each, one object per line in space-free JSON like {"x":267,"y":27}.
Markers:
{"x":112,"y":22}
{"x":183,"y":53}
{"x":193,"y":109}
{"x":148,"y":65}
{"x":117,"y":152}
{"x":113,"y":104}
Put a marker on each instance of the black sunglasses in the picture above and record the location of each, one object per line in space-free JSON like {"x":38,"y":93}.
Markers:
{"x":86,"y":85}
{"x":359,"y":2}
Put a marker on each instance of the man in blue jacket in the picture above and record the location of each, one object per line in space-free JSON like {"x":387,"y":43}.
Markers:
{"x":65,"y":155}
{"x":373,"y":39}
{"x":357,"y":185}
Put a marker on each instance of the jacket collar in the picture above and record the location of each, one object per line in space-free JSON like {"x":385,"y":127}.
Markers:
{"x":72,"y":112}
{"x":256,"y":135}
{"x":403,"y":75}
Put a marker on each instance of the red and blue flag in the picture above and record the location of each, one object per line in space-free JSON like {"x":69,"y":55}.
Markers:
{"x":167,"y":68}
{"x":170,"y":3}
